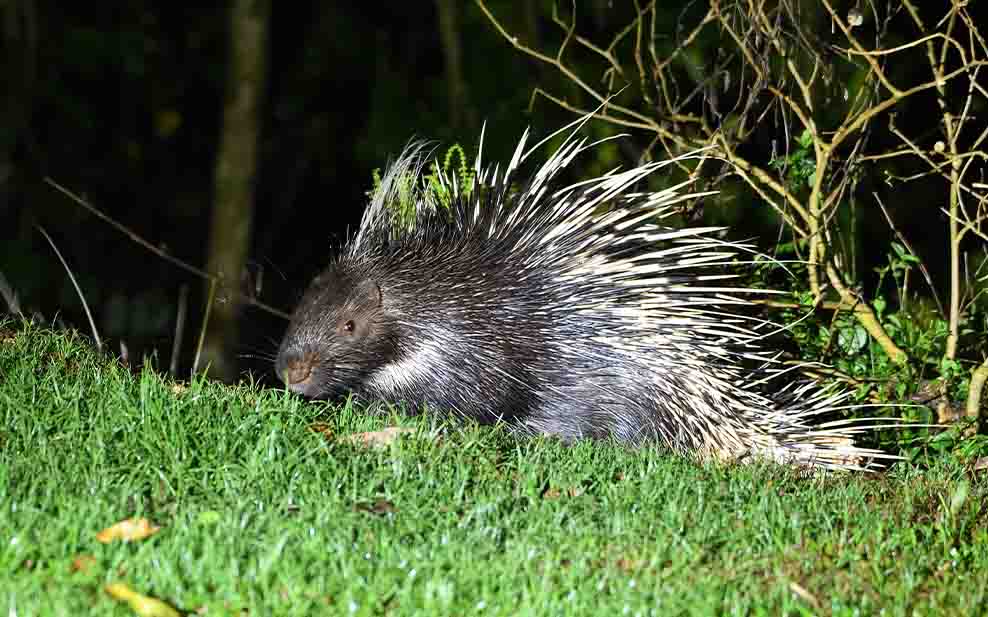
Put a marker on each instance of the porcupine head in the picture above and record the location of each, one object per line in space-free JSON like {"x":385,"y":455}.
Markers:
{"x":340,"y":334}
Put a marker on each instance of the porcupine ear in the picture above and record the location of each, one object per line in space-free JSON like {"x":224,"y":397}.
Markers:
{"x":370,"y":293}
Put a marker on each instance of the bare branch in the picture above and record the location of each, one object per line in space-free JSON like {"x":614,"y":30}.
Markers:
{"x":157,"y":251}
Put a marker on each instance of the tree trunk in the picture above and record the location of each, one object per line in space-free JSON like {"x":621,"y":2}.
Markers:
{"x":460,"y":113}
{"x":236,"y":163}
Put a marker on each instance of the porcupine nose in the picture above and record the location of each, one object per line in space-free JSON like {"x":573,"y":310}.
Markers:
{"x":295,"y":369}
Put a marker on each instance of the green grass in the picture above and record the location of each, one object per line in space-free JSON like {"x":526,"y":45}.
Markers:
{"x":259,"y":512}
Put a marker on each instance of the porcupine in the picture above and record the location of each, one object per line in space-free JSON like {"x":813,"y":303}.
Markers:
{"x":560,"y":310}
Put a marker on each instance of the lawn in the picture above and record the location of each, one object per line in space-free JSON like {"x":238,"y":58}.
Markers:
{"x":265,"y":509}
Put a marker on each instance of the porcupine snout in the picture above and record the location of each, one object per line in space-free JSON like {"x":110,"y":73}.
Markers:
{"x":295,"y":369}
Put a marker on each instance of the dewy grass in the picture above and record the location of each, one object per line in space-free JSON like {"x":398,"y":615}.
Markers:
{"x":258,"y":511}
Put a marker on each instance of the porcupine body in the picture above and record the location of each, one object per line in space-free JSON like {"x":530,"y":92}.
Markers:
{"x":564,"y":310}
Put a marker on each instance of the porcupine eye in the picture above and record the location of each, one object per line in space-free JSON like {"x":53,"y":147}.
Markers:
{"x":348,"y":326}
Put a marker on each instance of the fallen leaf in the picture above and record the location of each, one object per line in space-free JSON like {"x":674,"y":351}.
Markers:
{"x":323,"y":428}
{"x":377,"y":439}
{"x":83,"y":563}
{"x":555,"y":493}
{"x":127,"y":530}
{"x":145,"y":606}
{"x":628,"y":565}
{"x":981,"y":463}
{"x":381,"y":506}
{"x":801,"y":591}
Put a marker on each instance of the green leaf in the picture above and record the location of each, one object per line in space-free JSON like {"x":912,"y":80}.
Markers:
{"x":806,"y":138}
{"x":880,"y":305}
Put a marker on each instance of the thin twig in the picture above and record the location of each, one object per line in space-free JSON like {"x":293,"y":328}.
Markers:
{"x":157,"y":251}
{"x":78,"y":290}
{"x":205,"y":324}
{"x":183,"y":303}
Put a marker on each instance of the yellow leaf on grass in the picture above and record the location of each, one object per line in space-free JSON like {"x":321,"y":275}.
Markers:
{"x":556,"y":493}
{"x":126,"y":530}
{"x":145,"y":606}
{"x":378,"y":438}
{"x":83,"y":563}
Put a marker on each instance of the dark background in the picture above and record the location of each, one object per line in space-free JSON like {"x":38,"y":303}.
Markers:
{"x":122,"y":103}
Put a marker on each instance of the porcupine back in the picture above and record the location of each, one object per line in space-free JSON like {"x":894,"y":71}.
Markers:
{"x":559,"y":309}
